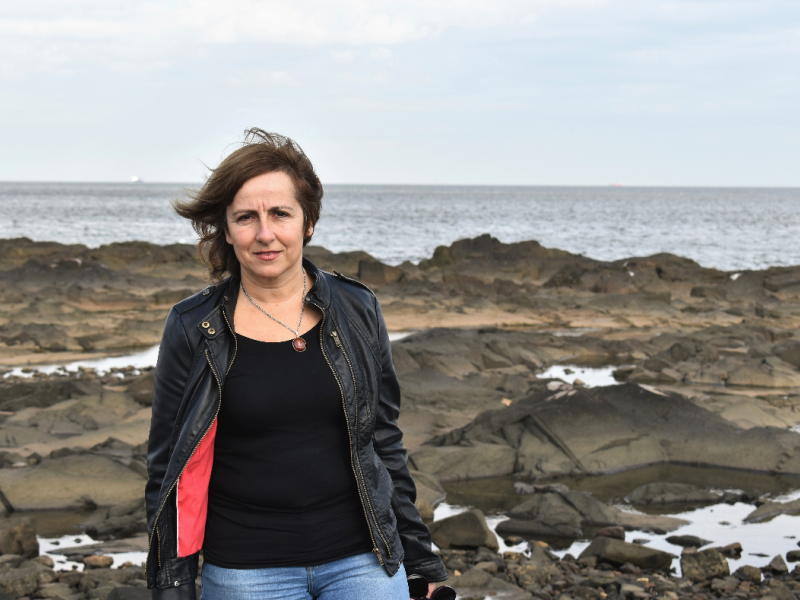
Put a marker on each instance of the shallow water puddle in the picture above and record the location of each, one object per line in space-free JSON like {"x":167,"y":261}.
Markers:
{"x":51,"y":547}
{"x":591,"y":377}
{"x":721,"y":524}
{"x":138,"y":360}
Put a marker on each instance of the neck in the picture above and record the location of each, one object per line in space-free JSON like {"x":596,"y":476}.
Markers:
{"x":289,"y":286}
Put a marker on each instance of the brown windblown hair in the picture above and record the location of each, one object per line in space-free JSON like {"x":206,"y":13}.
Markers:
{"x":260,"y":152}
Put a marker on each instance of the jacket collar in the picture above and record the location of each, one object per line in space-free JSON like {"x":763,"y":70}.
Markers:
{"x":319,"y":294}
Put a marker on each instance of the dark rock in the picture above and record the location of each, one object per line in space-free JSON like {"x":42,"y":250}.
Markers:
{"x":123,"y":520}
{"x":477,"y":583}
{"x":20,"y":539}
{"x":670,"y":493}
{"x":613,"y":532}
{"x":141,"y":388}
{"x":725,"y":585}
{"x":704,"y":565}
{"x":793,"y":555}
{"x":731,"y":550}
{"x":778,"y":566}
{"x":465,"y":530}
{"x":688,"y":541}
{"x":618,"y":552}
{"x":789,"y":352}
{"x":555,"y":510}
{"x":779,"y":591}
{"x":629,"y":569}
{"x":129,"y":593}
{"x":748,"y":573}
{"x":22,"y":581}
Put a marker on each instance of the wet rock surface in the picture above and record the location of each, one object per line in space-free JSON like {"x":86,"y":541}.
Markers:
{"x":573,"y":430}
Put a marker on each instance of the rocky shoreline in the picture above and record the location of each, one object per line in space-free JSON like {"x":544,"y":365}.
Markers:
{"x":708,"y":365}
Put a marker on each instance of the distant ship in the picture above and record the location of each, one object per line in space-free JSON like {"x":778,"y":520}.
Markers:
{"x":614,"y":185}
{"x":136,"y":179}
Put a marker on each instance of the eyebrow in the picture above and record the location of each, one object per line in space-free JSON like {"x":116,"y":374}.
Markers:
{"x":252,"y":210}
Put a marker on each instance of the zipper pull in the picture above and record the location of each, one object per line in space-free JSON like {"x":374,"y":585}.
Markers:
{"x":336,"y":339}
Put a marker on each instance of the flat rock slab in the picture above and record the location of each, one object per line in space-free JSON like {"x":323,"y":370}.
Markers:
{"x":617,"y":552}
{"x":557,"y":511}
{"x":603,"y":430}
{"x":64,"y":483}
{"x":671,"y":493}
{"x":770,"y":510}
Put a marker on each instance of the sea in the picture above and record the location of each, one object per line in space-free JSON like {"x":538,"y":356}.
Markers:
{"x":726,"y":228}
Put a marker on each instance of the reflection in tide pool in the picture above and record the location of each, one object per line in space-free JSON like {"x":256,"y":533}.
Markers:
{"x":590,"y":377}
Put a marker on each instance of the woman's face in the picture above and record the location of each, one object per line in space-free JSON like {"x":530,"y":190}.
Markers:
{"x":265,"y":227}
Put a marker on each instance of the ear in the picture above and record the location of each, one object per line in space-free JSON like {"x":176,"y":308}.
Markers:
{"x":309,"y":230}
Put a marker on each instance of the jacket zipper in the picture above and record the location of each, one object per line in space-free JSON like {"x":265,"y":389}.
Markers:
{"x":349,"y":436}
{"x":158,"y":535}
{"x":353,"y":375}
{"x":235,"y":346}
{"x":174,"y":483}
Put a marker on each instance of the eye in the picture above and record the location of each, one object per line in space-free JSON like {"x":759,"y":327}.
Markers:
{"x":243,"y":218}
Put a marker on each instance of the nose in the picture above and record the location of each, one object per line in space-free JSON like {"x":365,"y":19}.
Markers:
{"x":265,"y":235}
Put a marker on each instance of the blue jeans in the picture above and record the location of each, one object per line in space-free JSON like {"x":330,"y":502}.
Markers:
{"x":356,"y":578}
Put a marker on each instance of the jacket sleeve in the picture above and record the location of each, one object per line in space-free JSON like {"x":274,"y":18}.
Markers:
{"x":414,"y":534}
{"x":172,"y":371}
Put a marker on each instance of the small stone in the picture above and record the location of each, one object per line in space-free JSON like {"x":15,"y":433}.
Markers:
{"x":688,"y":541}
{"x":725,"y":585}
{"x":513,"y":540}
{"x":488,"y":566}
{"x":778,"y":565}
{"x":748,"y":573}
{"x":704,"y":565}
{"x":613,"y":532}
{"x":731,"y":550}
{"x":98,"y":562}
{"x":793,"y":555}
{"x":629,"y":569}
{"x":44,"y":560}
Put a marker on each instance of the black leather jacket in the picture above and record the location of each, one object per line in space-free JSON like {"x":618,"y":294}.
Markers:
{"x":192,"y":363}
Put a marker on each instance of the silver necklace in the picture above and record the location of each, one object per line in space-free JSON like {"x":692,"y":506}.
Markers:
{"x":298,"y":343}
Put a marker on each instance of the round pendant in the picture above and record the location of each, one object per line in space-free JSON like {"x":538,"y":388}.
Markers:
{"x":299,"y":344}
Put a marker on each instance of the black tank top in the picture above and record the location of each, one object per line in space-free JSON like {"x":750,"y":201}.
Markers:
{"x":282,"y":489}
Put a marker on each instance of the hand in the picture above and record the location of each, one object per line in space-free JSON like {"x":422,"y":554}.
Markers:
{"x":431,"y":588}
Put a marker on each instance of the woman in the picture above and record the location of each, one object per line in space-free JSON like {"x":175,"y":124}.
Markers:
{"x":274,"y":446}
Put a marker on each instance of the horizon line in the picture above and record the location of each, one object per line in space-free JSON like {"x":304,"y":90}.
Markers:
{"x":453,"y":185}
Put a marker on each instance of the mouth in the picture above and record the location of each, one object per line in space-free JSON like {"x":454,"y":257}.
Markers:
{"x":266,"y":256}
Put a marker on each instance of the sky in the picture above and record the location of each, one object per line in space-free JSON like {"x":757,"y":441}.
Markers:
{"x":501,"y":92}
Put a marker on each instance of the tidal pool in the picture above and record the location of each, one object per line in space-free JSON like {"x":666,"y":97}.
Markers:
{"x":590,"y":376}
{"x":722,"y":524}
